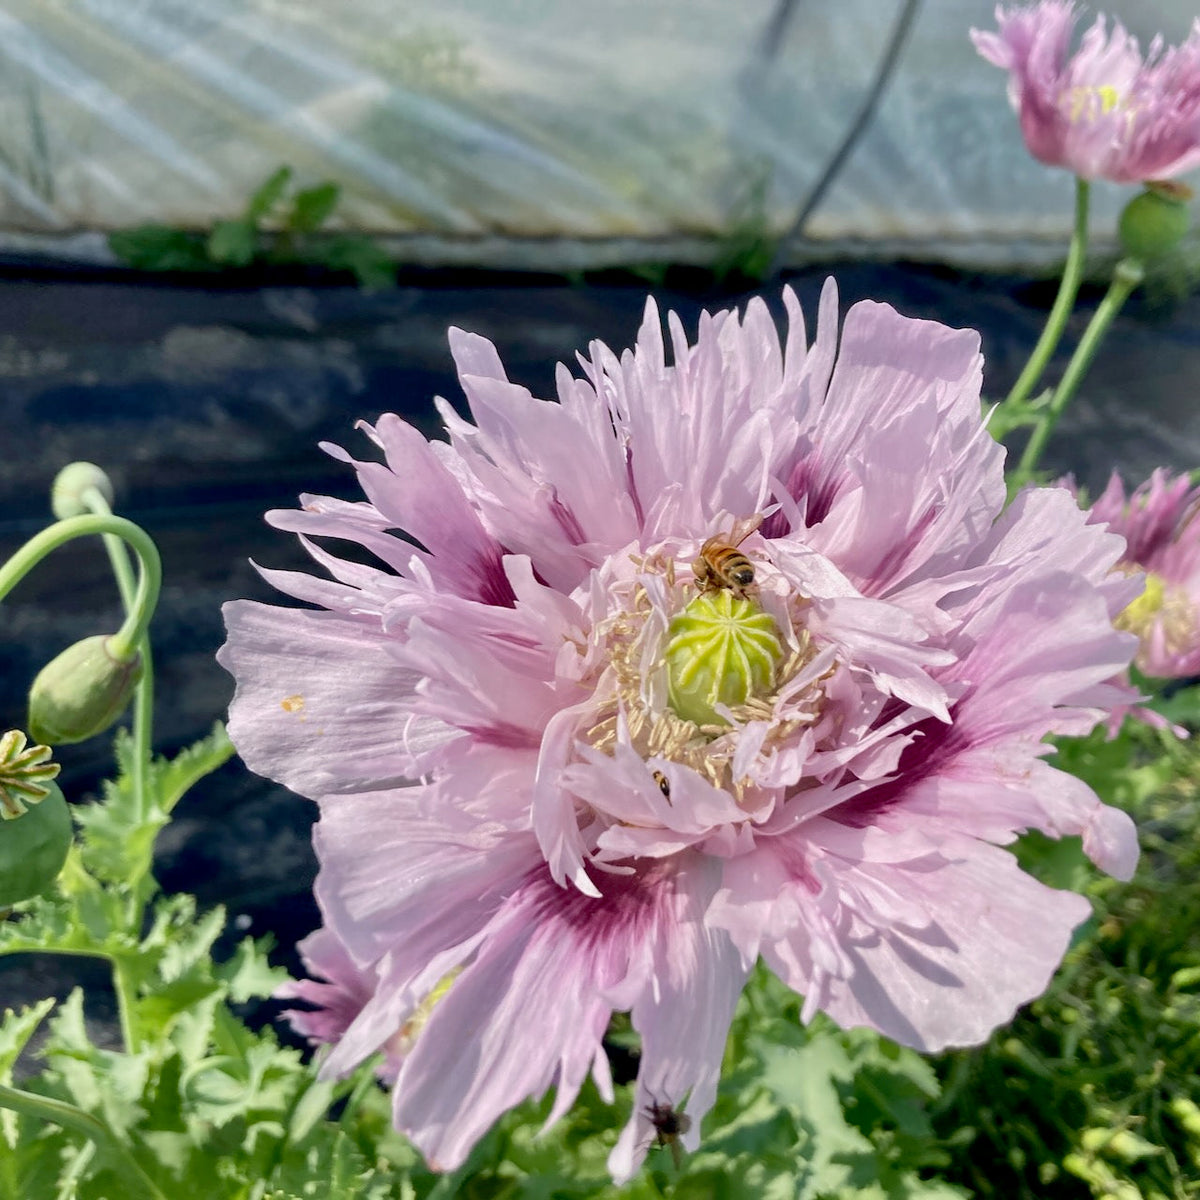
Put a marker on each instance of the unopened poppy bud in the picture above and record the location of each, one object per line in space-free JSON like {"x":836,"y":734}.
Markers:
{"x":722,"y":649}
{"x":70,"y":485}
{"x":33,"y":848}
{"x":1156,"y":221}
{"x":81,"y":692}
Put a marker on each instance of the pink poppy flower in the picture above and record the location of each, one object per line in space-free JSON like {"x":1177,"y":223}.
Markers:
{"x":1158,"y":522}
{"x":1103,"y":112}
{"x":558,"y":779}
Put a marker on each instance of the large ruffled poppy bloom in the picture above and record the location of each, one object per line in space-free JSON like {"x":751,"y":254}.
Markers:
{"x":564,"y":770}
{"x":1103,"y":112}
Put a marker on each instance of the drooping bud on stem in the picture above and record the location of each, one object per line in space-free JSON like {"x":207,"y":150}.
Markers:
{"x":68,"y":494}
{"x":83,"y":691}
{"x":722,"y":649}
{"x":1156,"y":221}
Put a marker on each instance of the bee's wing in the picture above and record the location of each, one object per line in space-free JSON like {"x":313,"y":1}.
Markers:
{"x":743,"y":528}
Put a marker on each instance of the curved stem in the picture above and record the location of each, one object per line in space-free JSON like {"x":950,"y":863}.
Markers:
{"x":1064,"y":302}
{"x":1128,"y":274}
{"x":123,"y":643}
{"x":42,"y":1108}
{"x":143,"y":702}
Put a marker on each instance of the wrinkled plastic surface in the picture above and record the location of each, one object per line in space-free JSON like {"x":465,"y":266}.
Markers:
{"x":523,"y":118}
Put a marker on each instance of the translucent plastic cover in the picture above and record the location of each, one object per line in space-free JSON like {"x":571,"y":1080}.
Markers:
{"x":524,"y":118}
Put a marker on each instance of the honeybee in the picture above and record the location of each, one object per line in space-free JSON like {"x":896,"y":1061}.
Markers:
{"x":669,"y":1126}
{"x":722,"y":565}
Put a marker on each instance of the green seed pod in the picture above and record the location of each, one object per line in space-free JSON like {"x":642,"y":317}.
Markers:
{"x":66,"y":493}
{"x":1155,"y":221}
{"x":722,"y":649}
{"x":33,"y":848}
{"x":81,"y":692}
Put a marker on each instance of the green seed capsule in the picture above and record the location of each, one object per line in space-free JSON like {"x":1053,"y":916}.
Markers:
{"x":33,"y":848}
{"x":722,"y":649}
{"x":1156,"y":221}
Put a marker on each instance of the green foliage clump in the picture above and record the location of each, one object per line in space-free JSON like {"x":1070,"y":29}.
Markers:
{"x":277,"y":227}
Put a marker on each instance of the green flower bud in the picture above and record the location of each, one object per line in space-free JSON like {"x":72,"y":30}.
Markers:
{"x":33,"y":848}
{"x":70,"y":484}
{"x":1156,"y":221}
{"x":722,"y":649}
{"x":26,"y":774}
{"x":81,"y":692}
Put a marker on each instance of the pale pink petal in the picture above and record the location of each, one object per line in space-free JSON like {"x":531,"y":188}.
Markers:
{"x":683,"y":1020}
{"x":321,"y":705}
{"x":530,"y":1009}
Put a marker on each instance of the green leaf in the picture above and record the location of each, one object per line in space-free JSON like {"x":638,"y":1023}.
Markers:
{"x":259,"y":1078}
{"x":268,"y":195}
{"x":368,"y":263}
{"x":174,"y":777}
{"x":249,"y":975}
{"x":312,"y":207}
{"x":118,"y":834}
{"x":103,"y":1082}
{"x":331,"y":1169}
{"x":159,"y":248}
{"x":1181,"y":707}
{"x":83,"y":918}
{"x":233,"y":243}
{"x":173,"y":966}
{"x":16,"y":1028}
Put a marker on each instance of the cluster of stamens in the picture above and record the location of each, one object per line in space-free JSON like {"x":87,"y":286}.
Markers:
{"x":1163,"y":605}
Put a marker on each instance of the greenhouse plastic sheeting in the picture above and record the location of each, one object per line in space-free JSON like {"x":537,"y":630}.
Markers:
{"x":485,"y":119}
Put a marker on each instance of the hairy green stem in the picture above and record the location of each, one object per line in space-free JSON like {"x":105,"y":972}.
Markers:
{"x":126,"y":994}
{"x":1064,"y":302}
{"x":1127,"y":275}
{"x":143,"y":701}
{"x":58,"y":1112}
{"x":123,"y":644}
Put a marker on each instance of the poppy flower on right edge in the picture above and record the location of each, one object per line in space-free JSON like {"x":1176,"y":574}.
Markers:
{"x":1162,"y":538}
{"x":734,"y":650}
{"x":1103,"y":112}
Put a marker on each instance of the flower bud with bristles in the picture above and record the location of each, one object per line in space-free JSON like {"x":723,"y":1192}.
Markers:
{"x":81,"y":692}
